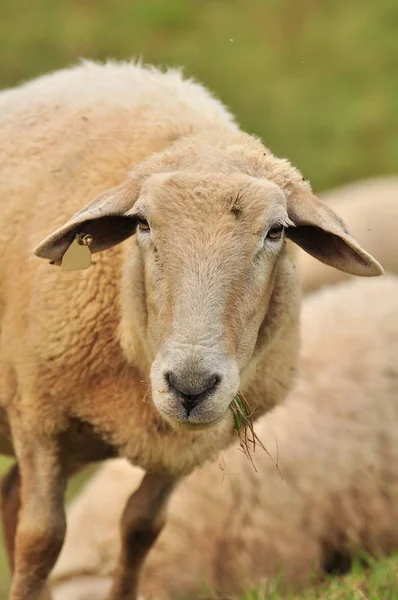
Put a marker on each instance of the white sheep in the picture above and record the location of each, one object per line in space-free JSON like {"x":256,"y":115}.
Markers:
{"x":370,"y":206}
{"x":142,"y":354}
{"x":234,"y":529}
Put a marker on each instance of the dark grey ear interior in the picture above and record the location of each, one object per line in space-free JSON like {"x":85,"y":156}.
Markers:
{"x":105,"y":231}
{"x":324,"y":235}
{"x":108,"y":231}
{"x":106,"y":219}
{"x":334,"y":251}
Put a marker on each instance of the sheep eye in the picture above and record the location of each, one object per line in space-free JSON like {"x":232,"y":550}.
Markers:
{"x":274,"y":233}
{"x":142,"y":224}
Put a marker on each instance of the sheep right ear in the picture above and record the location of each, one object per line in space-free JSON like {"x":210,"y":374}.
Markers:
{"x":323,"y":234}
{"x":105,"y":219}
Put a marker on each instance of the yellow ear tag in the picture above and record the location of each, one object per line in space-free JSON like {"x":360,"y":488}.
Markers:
{"x":78,"y":255}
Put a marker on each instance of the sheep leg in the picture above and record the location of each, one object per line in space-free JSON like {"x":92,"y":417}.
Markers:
{"x":142,"y":521}
{"x":41,"y":523}
{"x":10,"y":504}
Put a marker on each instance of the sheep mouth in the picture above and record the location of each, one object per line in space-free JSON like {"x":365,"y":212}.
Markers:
{"x":191,"y":424}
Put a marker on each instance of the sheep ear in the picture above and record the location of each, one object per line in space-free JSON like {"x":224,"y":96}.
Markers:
{"x":323,"y":234}
{"x":106,"y":219}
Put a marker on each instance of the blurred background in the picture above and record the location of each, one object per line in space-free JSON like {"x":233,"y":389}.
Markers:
{"x":316,"y":79}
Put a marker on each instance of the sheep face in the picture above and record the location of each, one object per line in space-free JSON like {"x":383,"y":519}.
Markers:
{"x":208,"y":264}
{"x":209,"y":246}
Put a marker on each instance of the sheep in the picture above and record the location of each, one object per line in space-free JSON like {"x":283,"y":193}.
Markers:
{"x":234,"y":529}
{"x":141,"y":354}
{"x":370,"y":206}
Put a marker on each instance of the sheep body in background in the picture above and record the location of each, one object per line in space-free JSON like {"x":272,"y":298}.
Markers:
{"x":370,"y":206}
{"x":235,"y":529}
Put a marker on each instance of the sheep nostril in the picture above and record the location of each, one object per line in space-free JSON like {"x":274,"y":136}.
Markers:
{"x":194,"y":390}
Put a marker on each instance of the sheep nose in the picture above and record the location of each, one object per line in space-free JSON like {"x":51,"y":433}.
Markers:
{"x":194,"y":390}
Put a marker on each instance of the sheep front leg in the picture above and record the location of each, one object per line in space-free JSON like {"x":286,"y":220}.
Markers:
{"x":10,"y":504}
{"x":41,"y":521}
{"x":142,"y":521}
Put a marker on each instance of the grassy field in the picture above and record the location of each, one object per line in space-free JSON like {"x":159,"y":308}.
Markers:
{"x":316,"y":79}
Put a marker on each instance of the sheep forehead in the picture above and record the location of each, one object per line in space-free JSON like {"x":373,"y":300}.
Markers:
{"x":198,"y":196}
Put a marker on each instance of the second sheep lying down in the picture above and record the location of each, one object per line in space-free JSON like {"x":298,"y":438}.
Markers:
{"x":338,"y":454}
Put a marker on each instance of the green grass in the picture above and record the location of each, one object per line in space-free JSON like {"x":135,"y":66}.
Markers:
{"x":316,"y":79}
{"x":378,"y":582}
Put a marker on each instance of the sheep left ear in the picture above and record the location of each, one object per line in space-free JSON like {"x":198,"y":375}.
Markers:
{"x":323,"y":234}
{"x":105,"y":219}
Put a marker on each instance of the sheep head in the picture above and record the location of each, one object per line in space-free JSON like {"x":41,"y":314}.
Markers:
{"x":212,"y":224}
